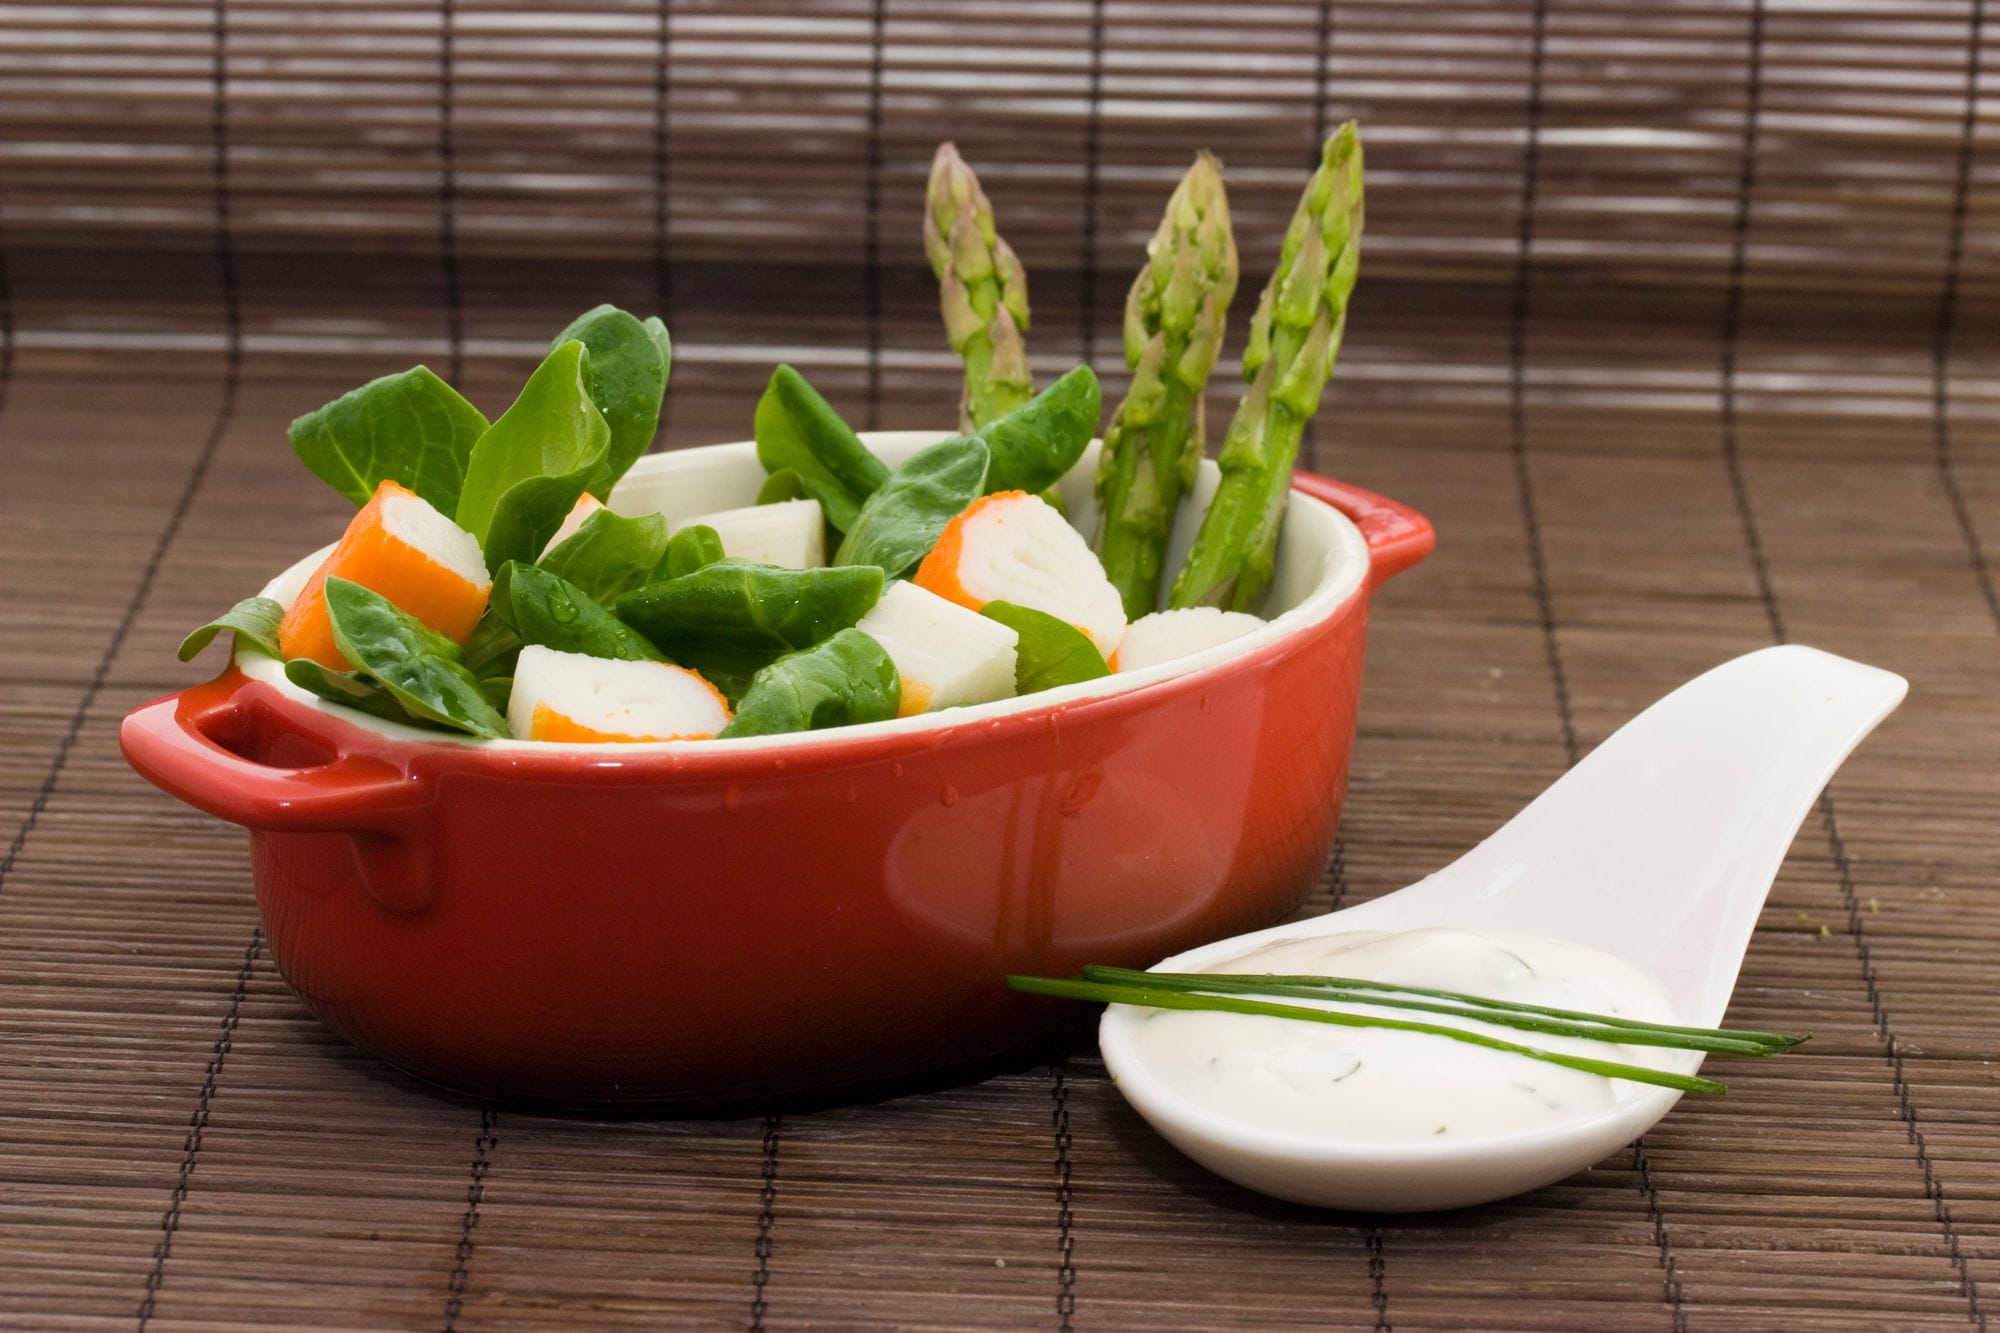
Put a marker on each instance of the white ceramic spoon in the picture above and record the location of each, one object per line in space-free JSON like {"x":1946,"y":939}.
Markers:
{"x":1659,"y":847}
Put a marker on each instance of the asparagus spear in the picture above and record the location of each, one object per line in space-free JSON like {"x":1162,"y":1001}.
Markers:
{"x":1294,"y":338}
{"x":982,"y":290}
{"x":1173,"y":329}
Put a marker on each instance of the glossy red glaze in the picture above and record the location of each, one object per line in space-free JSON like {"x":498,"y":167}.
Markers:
{"x":717,"y":925}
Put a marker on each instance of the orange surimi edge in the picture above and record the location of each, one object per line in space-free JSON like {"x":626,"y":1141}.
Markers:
{"x":939,"y":571}
{"x":374,"y":553}
{"x":916,"y":698}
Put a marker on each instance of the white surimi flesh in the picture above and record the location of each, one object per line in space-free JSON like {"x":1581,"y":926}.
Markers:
{"x":1166,"y":635}
{"x":413,"y":521}
{"x":1018,"y":549}
{"x":791,"y":533}
{"x":946,"y":654}
{"x":636,"y":700}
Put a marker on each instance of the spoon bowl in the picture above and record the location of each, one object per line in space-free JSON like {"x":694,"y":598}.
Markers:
{"x":1659,"y":847}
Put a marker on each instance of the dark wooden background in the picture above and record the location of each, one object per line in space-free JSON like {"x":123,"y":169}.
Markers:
{"x":1678,"y":319}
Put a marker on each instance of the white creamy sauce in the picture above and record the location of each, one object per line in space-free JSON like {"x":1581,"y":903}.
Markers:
{"x":1378,"y":1085}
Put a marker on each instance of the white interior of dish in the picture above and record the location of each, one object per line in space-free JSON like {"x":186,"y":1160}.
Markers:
{"x":1322,"y":561}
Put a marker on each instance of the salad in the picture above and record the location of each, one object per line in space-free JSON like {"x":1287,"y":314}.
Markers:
{"x":485,"y":587}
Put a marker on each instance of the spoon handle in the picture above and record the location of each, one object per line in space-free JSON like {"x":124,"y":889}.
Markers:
{"x":1662,"y":844}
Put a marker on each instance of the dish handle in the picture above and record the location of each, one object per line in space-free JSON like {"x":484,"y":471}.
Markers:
{"x":178,"y":744}
{"x":1397,"y":536}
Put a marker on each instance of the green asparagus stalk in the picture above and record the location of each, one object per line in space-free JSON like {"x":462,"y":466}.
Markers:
{"x":1294,"y":338}
{"x":982,"y":290}
{"x":1174,"y":318}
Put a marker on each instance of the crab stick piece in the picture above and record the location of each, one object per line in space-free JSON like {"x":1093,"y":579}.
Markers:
{"x":561,"y":696}
{"x":586,"y":505}
{"x":946,"y":654}
{"x":791,"y":533}
{"x":399,"y":546}
{"x":1165,"y":635}
{"x":1013,"y":547}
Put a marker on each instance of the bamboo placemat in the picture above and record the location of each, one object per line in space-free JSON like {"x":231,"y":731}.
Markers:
{"x":174,"y":1129}
{"x":1678,"y":322}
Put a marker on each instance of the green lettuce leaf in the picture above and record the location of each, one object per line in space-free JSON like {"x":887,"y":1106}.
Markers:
{"x":492,"y":646}
{"x":610,"y":554}
{"x":798,"y":431}
{"x":530,"y":466}
{"x":902,"y":520}
{"x":692,"y":548}
{"x":1050,"y":652}
{"x":253,"y":618}
{"x":729,"y":619}
{"x":626,"y":375}
{"x":349,"y":688}
{"x":416,"y":665}
{"x":547,"y":609}
{"x":1039,"y":441}
{"x":780,"y":486}
{"x":410,"y":428}
{"x":843,"y":680}
{"x":656,"y":329}
{"x":499,"y":691}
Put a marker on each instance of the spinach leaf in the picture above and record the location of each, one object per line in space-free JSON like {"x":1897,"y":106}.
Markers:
{"x":610,"y":554}
{"x":346,"y":687}
{"x":419,"y":667}
{"x":626,"y":374}
{"x":1036,"y":443}
{"x":547,"y":609}
{"x":842,"y":680}
{"x":656,"y":329}
{"x":780,"y":486}
{"x":530,"y":465}
{"x":253,"y":618}
{"x":691,"y":548}
{"x":730,"y":618}
{"x":1050,"y":652}
{"x":902,"y":521}
{"x":798,"y":431}
{"x":493,"y":644}
{"x":411,"y":428}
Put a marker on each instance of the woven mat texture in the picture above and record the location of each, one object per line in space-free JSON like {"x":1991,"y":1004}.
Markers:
{"x":1679,"y":321}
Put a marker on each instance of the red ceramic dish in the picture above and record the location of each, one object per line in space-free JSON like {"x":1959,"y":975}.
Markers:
{"x":706,"y":922}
